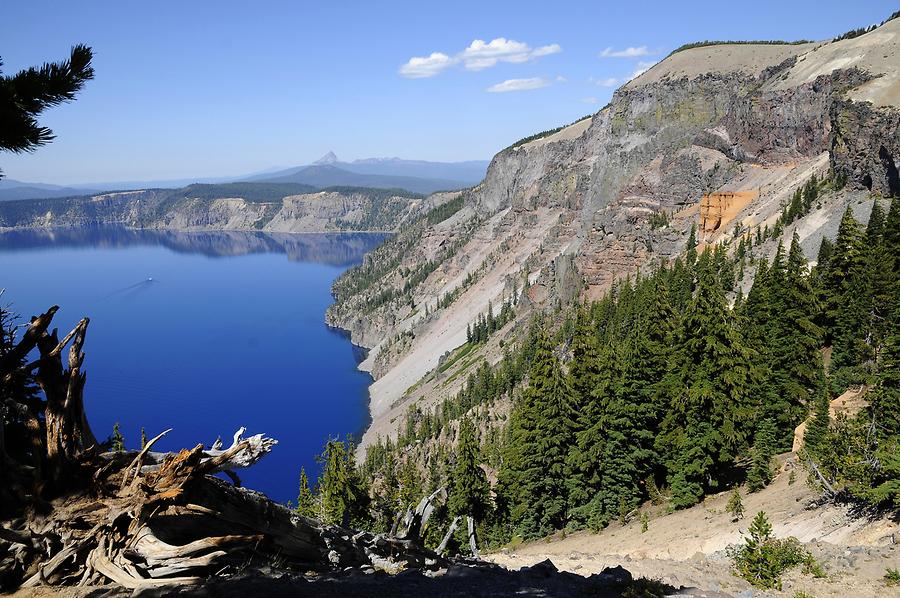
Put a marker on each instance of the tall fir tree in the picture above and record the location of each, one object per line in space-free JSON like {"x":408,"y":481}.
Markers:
{"x":885,"y":402}
{"x":306,"y":501}
{"x":842,"y":306}
{"x":891,"y":233}
{"x":626,"y":423}
{"x":587,"y":371}
{"x":409,"y":485}
{"x":817,"y":425}
{"x":761,"y":473}
{"x":882,"y":274}
{"x":705,"y":428}
{"x":343,"y":496}
{"x":469,"y":496}
{"x":795,"y":347}
{"x":587,"y":456}
{"x":691,"y":250}
{"x":533,"y":481}
{"x":584,"y":368}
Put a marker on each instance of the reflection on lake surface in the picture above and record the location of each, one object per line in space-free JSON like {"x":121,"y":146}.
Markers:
{"x":337,"y":249}
{"x":202,"y":332}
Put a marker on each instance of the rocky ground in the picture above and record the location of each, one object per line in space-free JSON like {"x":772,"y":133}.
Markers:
{"x":477,"y":579}
{"x":689,"y":547}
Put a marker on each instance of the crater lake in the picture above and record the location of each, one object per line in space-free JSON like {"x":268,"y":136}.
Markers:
{"x":202,"y":332}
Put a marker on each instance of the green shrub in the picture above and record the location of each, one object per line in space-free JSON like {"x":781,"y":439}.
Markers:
{"x":763,"y":558}
{"x":659,"y":220}
{"x":735,"y":505}
{"x":892,"y":577}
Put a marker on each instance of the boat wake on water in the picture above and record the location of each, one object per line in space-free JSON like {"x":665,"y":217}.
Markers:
{"x":132,"y":289}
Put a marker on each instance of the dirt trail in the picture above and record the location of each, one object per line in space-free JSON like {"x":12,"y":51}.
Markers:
{"x":688,"y":547}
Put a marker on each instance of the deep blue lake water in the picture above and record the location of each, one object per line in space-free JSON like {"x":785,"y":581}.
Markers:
{"x":230,"y":332}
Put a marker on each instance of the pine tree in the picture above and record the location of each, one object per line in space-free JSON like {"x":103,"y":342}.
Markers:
{"x":769,"y":332}
{"x":817,"y":426}
{"x":761,"y":473}
{"x":409,"y":484}
{"x":342,"y":494}
{"x":796,"y":340}
{"x":881,"y":271}
{"x":810,"y":193}
{"x":691,"y":250}
{"x":534,"y":479}
{"x":795,"y":208}
{"x":584,"y":367}
{"x":117,"y":441}
{"x":705,"y":428}
{"x":846,"y":259}
{"x":631,"y":400}
{"x":627,"y":427}
{"x":653,"y":341}
{"x":875,"y":228}
{"x":891,"y":233}
{"x":885,"y":401}
{"x":586,"y":372}
{"x":306,"y":502}
{"x":735,"y":505}
{"x":25,"y":95}
{"x":587,"y":457}
{"x":756,"y":310}
{"x":681,"y":285}
{"x":469,"y":496}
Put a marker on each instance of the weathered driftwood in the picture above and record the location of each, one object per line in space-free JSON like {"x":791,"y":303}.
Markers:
{"x":75,"y":513}
{"x":443,"y":545}
{"x":473,"y":544}
{"x":415,"y":521}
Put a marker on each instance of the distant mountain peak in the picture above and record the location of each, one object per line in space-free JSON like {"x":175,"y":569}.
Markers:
{"x":328,"y":158}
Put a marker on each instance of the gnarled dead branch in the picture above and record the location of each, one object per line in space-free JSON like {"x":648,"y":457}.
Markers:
{"x":78,"y":514}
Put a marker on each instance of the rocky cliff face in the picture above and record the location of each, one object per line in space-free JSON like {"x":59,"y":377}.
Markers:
{"x":569,"y":213}
{"x":865,"y":145}
{"x":326,"y":211}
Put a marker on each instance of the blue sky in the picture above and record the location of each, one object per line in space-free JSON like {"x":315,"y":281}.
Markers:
{"x":202,"y":88}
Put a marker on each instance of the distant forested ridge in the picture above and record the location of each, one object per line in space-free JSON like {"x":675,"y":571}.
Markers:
{"x":256,"y":192}
{"x":203,"y":206}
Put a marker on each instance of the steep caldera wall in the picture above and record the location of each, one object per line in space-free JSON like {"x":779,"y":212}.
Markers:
{"x":563,"y":216}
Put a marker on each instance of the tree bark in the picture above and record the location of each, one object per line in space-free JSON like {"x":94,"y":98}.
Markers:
{"x":416,"y":520}
{"x":443,"y":545}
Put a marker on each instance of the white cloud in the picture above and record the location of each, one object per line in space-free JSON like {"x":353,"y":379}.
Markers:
{"x":610,"y":82}
{"x":561,"y":79}
{"x":546,"y":50}
{"x":419,"y":67}
{"x":479,"y":55}
{"x":629,"y":52}
{"x":642,"y":67}
{"x":518,"y":85}
{"x":589,"y":100}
